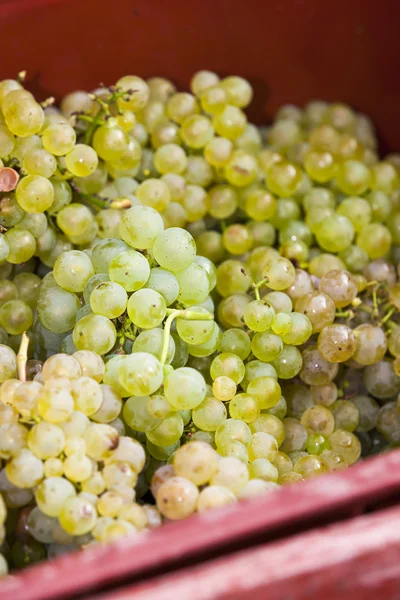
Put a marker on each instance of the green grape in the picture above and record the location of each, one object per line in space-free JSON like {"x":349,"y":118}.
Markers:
{"x":230,"y":122}
{"x":151,"y":341}
{"x":59,"y":138}
{"x":8,"y":291}
{"x":195,"y":332}
{"x":210,"y":346}
{"x":174,"y":249}
{"x":196,"y":131}
{"x":357,"y":210}
{"x":141,"y":373}
{"x":7,"y":141}
{"x":140,"y":226}
{"x":16,"y":316}
{"x":222,"y":201}
{"x":266,"y":346}
{"x":168,"y":432}
{"x":241,"y":169}
{"x":320,"y":165}
{"x":323,"y":263}
{"x":337,"y":343}
{"x":184,"y":388}
{"x":93,"y":184}
{"x":279,"y":301}
{"x":129,"y":269}
{"x":289,"y":362}
{"x":300,"y":331}
{"x":384,"y":177}
{"x":279,"y":274}
{"x":355,"y":259}
{"x":283,"y":178}
{"x":81,"y":160}
{"x":154,"y":193}
{"x":165,"y":283}
{"x":353,"y":177}
{"x":77,"y":516}
{"x":375,"y":239}
{"x":381,"y":379}
{"x":346,"y":444}
{"x":237,"y":239}
{"x":180,"y":106}
{"x":218,"y":150}
{"x":137,"y":415}
{"x":35,"y":223}
{"x":72,"y":270}
{"x":194,"y":203}
{"x":335,"y":233}
{"x":170,"y":158}
{"x":4,"y":249}
{"x":74,"y":219}
{"x":38,"y":161}
{"x":194,"y":284}
{"x":8,"y":363}
{"x":371,"y":344}
{"x":203,"y":80}
{"x":233,"y":277}
{"x":236,"y":341}
{"x":316,"y":370}
{"x":110,"y":142}
{"x":57,"y":309}
{"x":258,"y":315}
{"x":92,"y":283}
{"x":381,"y":206}
{"x":108,"y":299}
{"x":22,"y":245}
{"x":27,"y":552}
{"x":23,"y":116}
{"x":266,"y":390}
{"x":146,"y":308}
{"x":96,"y":333}
{"x":244,"y":407}
{"x":105,"y":251}
{"x":108,"y":221}
{"x":229,"y":365}
{"x":368,"y":410}
{"x":137,"y":99}
{"x":282,"y":324}
{"x":10,"y":211}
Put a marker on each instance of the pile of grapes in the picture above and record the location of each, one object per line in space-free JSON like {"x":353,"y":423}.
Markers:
{"x":193,"y":310}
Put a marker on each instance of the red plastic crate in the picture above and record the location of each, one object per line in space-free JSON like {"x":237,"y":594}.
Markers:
{"x":291,"y":51}
{"x":370,"y":485}
{"x":357,"y":560}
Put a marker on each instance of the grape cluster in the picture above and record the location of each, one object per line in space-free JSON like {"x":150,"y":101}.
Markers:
{"x":193,"y":310}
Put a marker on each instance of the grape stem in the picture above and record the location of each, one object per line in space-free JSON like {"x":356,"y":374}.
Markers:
{"x":22,"y":357}
{"x":256,"y":287}
{"x":174,"y":313}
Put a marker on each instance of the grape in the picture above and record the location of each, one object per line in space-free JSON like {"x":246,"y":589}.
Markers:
{"x":184,"y":388}
{"x":337,"y":343}
{"x":57,"y":309}
{"x":174,"y":249}
{"x":72,"y":270}
{"x":151,"y":341}
{"x":140,"y":226}
{"x":21,"y":244}
{"x":81,"y":160}
{"x":96,"y":333}
{"x":141,"y":373}
{"x":108,"y":299}
{"x":146,"y":308}
{"x":16,"y":316}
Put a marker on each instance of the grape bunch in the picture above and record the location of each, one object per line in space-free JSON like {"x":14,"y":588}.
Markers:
{"x":193,"y":310}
